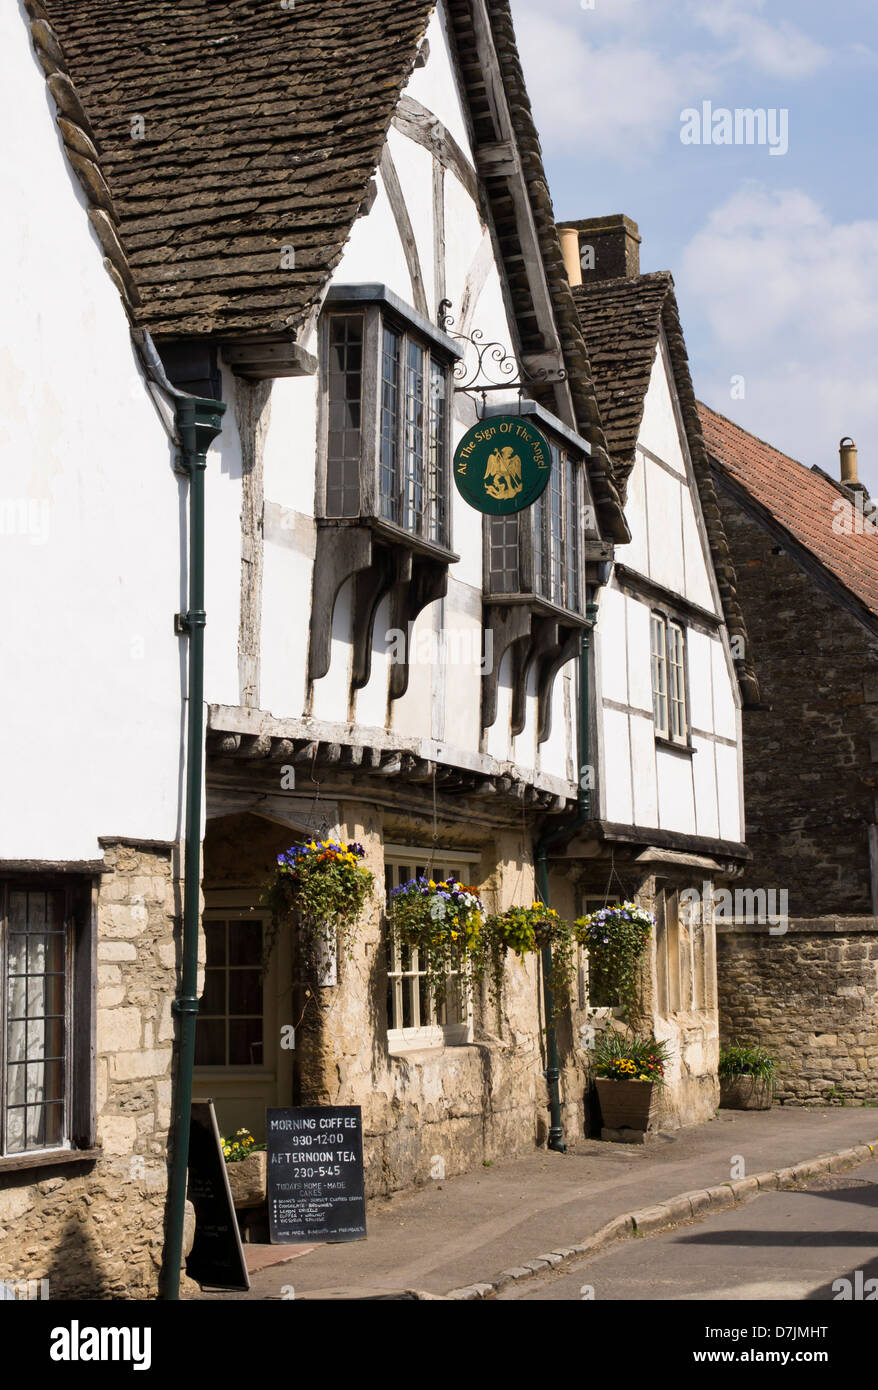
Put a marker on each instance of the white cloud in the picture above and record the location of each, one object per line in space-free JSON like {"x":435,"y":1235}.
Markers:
{"x":780,"y":49}
{"x":613,"y":100}
{"x":790,"y":302}
{"x":614,"y":80}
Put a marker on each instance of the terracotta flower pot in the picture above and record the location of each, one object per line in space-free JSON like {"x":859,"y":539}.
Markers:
{"x":248,"y":1180}
{"x":745,"y":1092}
{"x":627,"y":1104}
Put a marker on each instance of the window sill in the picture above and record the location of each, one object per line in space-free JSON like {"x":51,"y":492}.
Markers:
{"x":429,"y":1041}
{"x":539,"y":605}
{"x":686,"y":749}
{"x":389,"y":531}
{"x":48,"y":1158}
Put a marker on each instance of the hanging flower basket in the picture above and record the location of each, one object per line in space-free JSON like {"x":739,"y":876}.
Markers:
{"x":443,"y":922}
{"x":525,"y":930}
{"x":615,"y":938}
{"x":322,"y":887}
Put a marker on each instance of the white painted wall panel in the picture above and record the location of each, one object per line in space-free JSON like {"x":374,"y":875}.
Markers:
{"x":639,"y":658}
{"x":636,"y":553}
{"x":435,"y":86}
{"x":700,"y":665}
{"x":617,"y":767}
{"x":724,"y":711}
{"x":728,"y":791}
{"x":663,"y":494}
{"x":612,"y":636}
{"x":643,"y":763}
{"x":704,"y":774}
{"x":675,"y":791}
{"x":658,"y":429}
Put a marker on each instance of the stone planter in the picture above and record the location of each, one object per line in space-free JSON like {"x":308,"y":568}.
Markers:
{"x":248,"y":1180}
{"x":745,"y":1092}
{"x":628,"y":1108}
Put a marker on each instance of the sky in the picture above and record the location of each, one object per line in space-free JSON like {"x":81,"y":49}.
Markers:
{"x":774,"y":256}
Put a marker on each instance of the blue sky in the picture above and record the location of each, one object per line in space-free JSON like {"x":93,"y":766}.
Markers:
{"x":775,"y":257}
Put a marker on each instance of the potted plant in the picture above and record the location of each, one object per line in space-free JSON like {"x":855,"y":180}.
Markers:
{"x":442,"y":921}
{"x":746,"y":1077}
{"x":323,"y":886}
{"x":615,"y":939}
{"x":526,"y":929}
{"x":629,"y":1072}
{"x":246,"y":1165}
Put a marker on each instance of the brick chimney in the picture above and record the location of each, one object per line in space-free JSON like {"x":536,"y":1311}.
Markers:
{"x":609,"y":247}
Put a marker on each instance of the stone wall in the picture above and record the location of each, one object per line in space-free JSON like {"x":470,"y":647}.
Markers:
{"x":810,"y":998}
{"x":809,"y":777}
{"x":97,"y":1229}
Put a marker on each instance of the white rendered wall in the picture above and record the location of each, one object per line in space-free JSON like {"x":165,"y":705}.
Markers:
{"x":90,"y":702}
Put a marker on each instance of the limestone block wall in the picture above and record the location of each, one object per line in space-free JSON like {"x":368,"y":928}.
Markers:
{"x":810,"y":998}
{"x":96,"y":1229}
{"x":440,"y":1110}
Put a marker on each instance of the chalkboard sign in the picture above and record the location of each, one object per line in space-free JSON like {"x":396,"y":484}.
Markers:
{"x":315,"y":1174}
{"x":217,"y":1256}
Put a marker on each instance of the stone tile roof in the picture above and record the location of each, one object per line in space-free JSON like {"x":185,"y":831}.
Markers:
{"x":262,"y":127}
{"x":622,"y":321}
{"x":799,"y":499}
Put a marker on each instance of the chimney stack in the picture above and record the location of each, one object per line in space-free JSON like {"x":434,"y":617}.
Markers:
{"x":570,"y":251}
{"x":608,"y":248}
{"x":847,"y":452}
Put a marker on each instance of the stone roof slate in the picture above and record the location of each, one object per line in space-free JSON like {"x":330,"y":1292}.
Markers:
{"x":262,"y":127}
{"x":799,"y":499}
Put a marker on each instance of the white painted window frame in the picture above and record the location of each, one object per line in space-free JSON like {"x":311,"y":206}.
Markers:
{"x":668,"y":674}
{"x":433,"y":1034}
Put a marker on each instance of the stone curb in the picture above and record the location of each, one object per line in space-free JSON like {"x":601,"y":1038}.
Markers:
{"x":663,"y":1215}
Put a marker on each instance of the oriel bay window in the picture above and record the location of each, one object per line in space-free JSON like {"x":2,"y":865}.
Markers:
{"x":387,"y":399}
{"x":383,"y":470}
{"x":534,"y":578}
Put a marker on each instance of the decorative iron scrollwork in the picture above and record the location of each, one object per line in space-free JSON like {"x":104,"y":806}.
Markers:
{"x":492,"y":361}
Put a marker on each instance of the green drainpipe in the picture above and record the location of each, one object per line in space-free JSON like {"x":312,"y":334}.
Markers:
{"x":199,"y":421}
{"x":548,"y":837}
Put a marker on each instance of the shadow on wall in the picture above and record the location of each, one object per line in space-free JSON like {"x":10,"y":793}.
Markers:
{"x":78,"y":1268}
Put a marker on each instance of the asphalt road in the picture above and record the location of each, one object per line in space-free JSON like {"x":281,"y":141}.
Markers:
{"x":791,"y":1245}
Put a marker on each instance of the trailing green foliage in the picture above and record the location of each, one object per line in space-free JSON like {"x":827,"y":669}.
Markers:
{"x":615,"y":938}
{"x":744,"y":1059}
{"x":323,"y":887}
{"x":443,"y":922}
{"x":523,"y":930}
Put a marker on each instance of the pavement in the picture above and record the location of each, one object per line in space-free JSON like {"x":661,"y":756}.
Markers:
{"x":804,"y":1244}
{"x":456,"y":1236}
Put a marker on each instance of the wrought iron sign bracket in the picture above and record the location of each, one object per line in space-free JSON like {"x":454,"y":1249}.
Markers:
{"x":492,"y":362}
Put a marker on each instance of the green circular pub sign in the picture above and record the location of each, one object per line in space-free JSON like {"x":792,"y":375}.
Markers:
{"x":502,"y":465}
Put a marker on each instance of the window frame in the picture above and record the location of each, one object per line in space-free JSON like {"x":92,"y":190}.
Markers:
{"x":670,"y":706}
{"x":78,"y":1122}
{"x":261,"y":1071}
{"x":432,"y":1035}
{"x":383,"y":313}
{"x":544,"y":574}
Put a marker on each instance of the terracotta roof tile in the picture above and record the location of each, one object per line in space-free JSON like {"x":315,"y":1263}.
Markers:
{"x":799,"y":498}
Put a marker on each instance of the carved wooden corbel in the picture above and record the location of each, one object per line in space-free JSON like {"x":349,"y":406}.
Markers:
{"x":342,"y":551}
{"x":510,"y":626}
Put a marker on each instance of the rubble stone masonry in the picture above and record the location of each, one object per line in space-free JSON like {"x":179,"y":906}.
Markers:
{"x":810,"y":998}
{"x":95,"y":1229}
